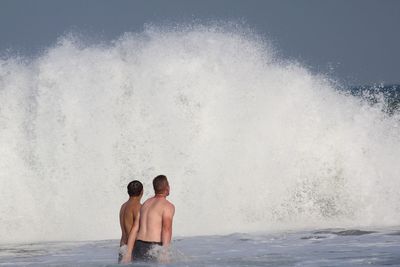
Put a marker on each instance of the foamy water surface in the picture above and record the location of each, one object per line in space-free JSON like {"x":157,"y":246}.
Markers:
{"x":328,"y":247}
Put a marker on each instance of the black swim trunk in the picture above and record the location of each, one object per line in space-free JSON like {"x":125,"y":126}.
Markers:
{"x":142,"y":249}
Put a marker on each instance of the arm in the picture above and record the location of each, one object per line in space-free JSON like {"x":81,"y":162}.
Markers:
{"x":131,"y":240}
{"x":166,"y":232}
{"x":121,"y":242}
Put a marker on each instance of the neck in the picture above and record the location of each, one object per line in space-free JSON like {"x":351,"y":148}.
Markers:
{"x":134,"y":198}
{"x":160,"y":195}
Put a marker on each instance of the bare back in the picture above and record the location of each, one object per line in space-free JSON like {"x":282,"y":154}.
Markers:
{"x":127,"y":215}
{"x":155,"y":217}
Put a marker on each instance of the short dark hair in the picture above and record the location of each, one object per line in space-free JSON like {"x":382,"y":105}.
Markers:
{"x":160,"y":183}
{"x":135,"y":188}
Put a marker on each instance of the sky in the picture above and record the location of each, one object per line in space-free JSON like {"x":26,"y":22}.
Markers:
{"x":357,"y":42}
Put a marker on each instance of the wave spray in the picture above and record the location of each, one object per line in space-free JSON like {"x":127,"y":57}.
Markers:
{"x":249,"y":142}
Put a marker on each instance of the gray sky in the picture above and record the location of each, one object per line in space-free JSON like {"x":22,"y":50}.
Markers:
{"x":357,"y":41}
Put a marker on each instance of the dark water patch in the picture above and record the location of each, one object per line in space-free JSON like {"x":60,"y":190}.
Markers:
{"x":313,"y":237}
{"x":394,"y":233}
{"x":353,"y":232}
{"x":350,"y":232}
{"x":327,"y":231}
{"x":323,"y":232}
{"x":239,"y":237}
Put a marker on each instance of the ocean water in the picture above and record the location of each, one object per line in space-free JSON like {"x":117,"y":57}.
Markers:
{"x":251,"y":143}
{"x":327,"y":247}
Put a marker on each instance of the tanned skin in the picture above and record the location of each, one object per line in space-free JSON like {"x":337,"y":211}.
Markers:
{"x":129,"y":217}
{"x":156,"y":215}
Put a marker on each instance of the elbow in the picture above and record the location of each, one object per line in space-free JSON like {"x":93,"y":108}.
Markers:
{"x":135,"y":228}
{"x":167,"y":229}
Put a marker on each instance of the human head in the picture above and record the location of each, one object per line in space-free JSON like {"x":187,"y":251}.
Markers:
{"x":161,"y":185}
{"x":135,"y":188}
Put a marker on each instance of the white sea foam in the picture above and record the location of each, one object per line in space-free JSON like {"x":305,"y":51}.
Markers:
{"x":248,"y":141}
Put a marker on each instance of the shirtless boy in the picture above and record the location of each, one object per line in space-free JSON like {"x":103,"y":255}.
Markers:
{"x":129,"y":215}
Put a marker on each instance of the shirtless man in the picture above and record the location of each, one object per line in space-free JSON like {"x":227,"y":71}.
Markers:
{"x":129,"y":215}
{"x":155,"y":228}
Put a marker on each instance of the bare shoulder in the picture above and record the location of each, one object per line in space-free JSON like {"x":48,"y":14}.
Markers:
{"x":146,"y":204}
{"x":169,"y":206}
{"x":122,"y":207}
{"x":149,"y":200}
